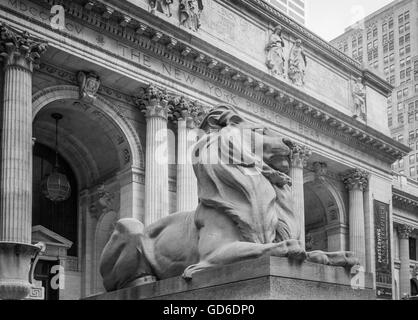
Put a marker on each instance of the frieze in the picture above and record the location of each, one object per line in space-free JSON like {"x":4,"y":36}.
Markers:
{"x":266,"y":96}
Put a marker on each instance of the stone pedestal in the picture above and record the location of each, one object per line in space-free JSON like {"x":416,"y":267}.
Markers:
{"x":17,"y":262}
{"x":267,"y":278}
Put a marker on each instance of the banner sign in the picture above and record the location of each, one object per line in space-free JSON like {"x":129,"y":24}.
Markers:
{"x":383,"y":250}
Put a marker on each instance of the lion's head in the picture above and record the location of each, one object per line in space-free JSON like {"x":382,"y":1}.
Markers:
{"x":242,"y":169}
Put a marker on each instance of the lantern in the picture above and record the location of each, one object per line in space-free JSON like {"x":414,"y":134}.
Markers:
{"x":55,"y":186}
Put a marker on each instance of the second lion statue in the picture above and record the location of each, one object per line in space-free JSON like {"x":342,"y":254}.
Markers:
{"x":244,"y":212}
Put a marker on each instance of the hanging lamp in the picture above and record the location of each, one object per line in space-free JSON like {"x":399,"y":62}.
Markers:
{"x":55,"y":186}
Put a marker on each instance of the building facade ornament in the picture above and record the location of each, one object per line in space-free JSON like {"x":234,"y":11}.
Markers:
{"x":102,"y":203}
{"x":321,"y":170}
{"x":190,"y":111}
{"x":297,"y":64}
{"x":404,"y":231}
{"x":189,"y":13}
{"x":356,"y":178}
{"x":275,"y":53}
{"x":154,"y":102}
{"x":359,"y":99}
{"x":20,"y":48}
{"x":300,"y":156}
{"x":89,"y":84}
{"x":162,"y":6}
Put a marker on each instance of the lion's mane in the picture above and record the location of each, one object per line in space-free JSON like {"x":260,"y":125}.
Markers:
{"x":262,"y":211}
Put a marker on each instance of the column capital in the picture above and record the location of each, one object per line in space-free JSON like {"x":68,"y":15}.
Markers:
{"x":183,"y":109}
{"x":153,"y":102}
{"x":404,"y":231}
{"x":19,"y":48}
{"x":300,"y":155}
{"x":356,"y":179}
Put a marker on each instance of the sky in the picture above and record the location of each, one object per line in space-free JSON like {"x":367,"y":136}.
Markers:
{"x":329,"y":18}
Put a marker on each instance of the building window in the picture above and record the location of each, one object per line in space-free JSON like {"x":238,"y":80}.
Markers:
{"x":411,"y":135}
{"x":412,"y":171}
{"x":399,"y":95}
{"x":405,"y":92}
{"x":401,"y":163}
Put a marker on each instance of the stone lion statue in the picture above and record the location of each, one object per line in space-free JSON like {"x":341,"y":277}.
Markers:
{"x":244,"y":212}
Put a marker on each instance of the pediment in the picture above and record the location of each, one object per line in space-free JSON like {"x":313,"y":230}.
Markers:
{"x":42,"y":234}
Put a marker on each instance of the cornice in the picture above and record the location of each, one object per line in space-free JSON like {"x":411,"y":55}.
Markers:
{"x":403,"y":198}
{"x":303,"y":109}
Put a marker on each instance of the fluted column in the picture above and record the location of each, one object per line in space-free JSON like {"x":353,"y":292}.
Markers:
{"x":155,"y":107}
{"x":188,"y":116}
{"x":356,"y":182}
{"x":404,"y":232}
{"x":299,"y":160}
{"x":20,"y":54}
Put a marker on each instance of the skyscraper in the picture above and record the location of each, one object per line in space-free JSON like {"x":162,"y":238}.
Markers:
{"x":387,"y":42}
{"x":293,"y":8}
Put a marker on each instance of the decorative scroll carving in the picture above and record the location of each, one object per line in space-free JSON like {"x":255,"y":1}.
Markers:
{"x":275,"y":53}
{"x":297,"y":64}
{"x":190,"y":11}
{"x":359,"y":99}
{"x":89,"y":84}
{"x":153,"y":102}
{"x":404,"y":231}
{"x":300,"y":155}
{"x":191,"y":111}
{"x":356,"y":178}
{"x":19,"y":48}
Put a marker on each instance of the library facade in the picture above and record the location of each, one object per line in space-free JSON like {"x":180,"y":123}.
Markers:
{"x":100,"y":100}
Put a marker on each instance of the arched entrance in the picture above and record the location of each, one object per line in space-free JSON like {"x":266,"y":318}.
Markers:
{"x":325,"y":215}
{"x":99,"y":146}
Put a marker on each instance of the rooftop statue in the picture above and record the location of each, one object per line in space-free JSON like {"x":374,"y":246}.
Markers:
{"x":244,"y":212}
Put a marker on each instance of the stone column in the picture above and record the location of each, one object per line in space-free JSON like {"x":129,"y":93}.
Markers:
{"x":187,"y":115}
{"x":404,"y":232}
{"x":130,"y":194}
{"x":356,"y":181}
{"x":20,"y":53}
{"x":299,"y":160}
{"x":155,"y":107}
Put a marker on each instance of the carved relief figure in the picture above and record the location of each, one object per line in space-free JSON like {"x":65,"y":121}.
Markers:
{"x":275,"y":53}
{"x":162,"y":6}
{"x":297,"y":64}
{"x":359,"y":98}
{"x":248,"y":222}
{"x":190,"y":11}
